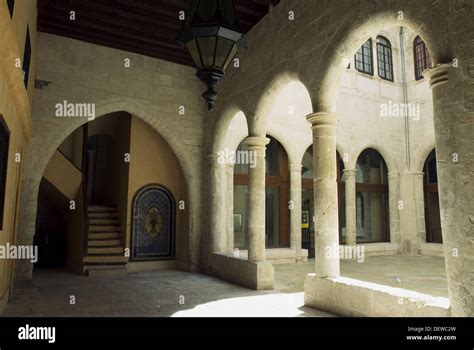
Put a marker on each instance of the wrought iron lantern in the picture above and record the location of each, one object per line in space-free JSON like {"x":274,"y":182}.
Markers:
{"x":212,"y":37}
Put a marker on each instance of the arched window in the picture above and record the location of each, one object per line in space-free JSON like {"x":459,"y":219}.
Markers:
{"x":277,"y":219}
{"x":372,"y":215}
{"x":307,"y":206}
{"x":384,"y":58}
{"x":421,"y":56}
{"x":4,"y":143}
{"x":363,"y":58}
{"x":432,"y":213}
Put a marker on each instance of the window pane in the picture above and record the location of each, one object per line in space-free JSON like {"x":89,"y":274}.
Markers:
{"x":307,"y":169}
{"x":271,"y":217}
{"x":363,"y":58}
{"x":241,"y":165}
{"x":371,"y":168}
{"x":240,"y":216}
{"x":384,"y":58}
{"x":372,"y":217}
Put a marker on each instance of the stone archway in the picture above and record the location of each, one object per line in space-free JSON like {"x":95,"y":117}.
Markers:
{"x":40,"y":150}
{"x":452,"y":140}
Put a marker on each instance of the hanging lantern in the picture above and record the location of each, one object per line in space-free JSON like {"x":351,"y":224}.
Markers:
{"x":212,"y":37}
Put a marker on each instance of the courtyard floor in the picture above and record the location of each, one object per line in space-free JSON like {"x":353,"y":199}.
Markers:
{"x":423,"y":274}
{"x":183,"y":294}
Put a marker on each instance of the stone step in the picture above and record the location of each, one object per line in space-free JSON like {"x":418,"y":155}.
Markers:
{"x":99,"y":215}
{"x":103,"y":228}
{"x":105,"y":243}
{"x":105,"y":250}
{"x":105,"y":259}
{"x":104,"y":235}
{"x":105,"y":270}
{"x":102,"y":209}
{"x":105,"y":221}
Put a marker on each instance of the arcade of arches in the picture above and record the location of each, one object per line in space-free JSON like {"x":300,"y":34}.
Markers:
{"x":317,"y":154}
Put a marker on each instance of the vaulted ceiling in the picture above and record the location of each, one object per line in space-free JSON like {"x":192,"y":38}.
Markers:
{"x":148,"y":27}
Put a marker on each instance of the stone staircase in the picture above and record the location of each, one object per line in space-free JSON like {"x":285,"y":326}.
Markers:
{"x":105,"y":250}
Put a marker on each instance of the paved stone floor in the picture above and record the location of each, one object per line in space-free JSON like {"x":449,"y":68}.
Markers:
{"x":423,"y":274}
{"x":160,"y":293}
{"x":178,"y":293}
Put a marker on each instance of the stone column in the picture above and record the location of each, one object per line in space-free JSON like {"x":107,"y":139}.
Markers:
{"x":394,"y":212}
{"x":217,"y":213}
{"x":295,"y":212}
{"x":454,"y":126}
{"x":351,"y":225}
{"x":256,"y":201}
{"x":419,"y":195}
{"x":325,"y":194}
{"x":229,"y":204}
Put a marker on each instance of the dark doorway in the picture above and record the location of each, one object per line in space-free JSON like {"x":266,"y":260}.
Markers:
{"x":51,"y":226}
{"x":99,"y":149}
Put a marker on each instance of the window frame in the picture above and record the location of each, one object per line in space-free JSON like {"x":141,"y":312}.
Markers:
{"x":371,"y":63}
{"x":387,"y":52}
{"x":425,"y":59}
{"x":382,"y":188}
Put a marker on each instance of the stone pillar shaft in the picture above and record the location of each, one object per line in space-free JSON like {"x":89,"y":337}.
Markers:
{"x":230,"y":207}
{"x":454,"y":127}
{"x":295,"y":212}
{"x":217,"y":212}
{"x":256,"y":204}
{"x":394,"y":212}
{"x":350,"y":191}
{"x":325,"y":194}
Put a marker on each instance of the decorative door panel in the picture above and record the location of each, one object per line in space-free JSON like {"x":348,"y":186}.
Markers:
{"x":153,"y":224}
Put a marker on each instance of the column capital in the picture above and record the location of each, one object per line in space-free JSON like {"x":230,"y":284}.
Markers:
{"x":295,"y":167}
{"x":322,"y":118}
{"x":257,"y":141}
{"x":439,"y":74}
{"x":349,"y":172}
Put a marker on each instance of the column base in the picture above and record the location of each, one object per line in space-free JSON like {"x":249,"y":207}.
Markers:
{"x":253,"y":275}
{"x":349,"y":297}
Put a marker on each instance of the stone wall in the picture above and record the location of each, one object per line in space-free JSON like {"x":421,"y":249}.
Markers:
{"x":15,"y":115}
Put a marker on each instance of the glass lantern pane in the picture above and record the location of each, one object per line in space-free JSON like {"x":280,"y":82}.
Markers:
{"x":231,"y":56}
{"x":224,"y":46}
{"x":207,"y":46}
{"x":194,"y":52}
